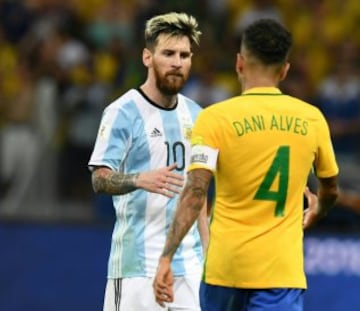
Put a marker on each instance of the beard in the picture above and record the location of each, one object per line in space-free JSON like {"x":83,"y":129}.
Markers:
{"x":171,"y":82}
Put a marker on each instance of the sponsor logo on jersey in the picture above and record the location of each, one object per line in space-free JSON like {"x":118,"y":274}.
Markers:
{"x":155,"y":133}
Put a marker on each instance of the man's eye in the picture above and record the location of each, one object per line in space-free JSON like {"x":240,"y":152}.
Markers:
{"x":184,"y":55}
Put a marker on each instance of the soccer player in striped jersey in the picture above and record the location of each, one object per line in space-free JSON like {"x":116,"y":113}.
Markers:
{"x":261,"y":147}
{"x":140,"y":155}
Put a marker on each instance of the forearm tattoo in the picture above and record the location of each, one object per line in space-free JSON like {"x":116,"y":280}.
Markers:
{"x":191,"y":202}
{"x":109,"y":182}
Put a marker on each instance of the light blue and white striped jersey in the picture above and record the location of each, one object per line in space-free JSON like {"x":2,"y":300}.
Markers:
{"x":136,"y":135}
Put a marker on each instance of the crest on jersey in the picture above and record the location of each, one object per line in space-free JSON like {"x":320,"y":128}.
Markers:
{"x":187,"y":130}
{"x":104,"y":131}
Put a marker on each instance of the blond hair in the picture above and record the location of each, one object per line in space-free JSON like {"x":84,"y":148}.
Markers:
{"x":173,"y":24}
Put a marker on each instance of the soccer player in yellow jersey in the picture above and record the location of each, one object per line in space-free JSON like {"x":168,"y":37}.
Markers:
{"x":260,"y":147}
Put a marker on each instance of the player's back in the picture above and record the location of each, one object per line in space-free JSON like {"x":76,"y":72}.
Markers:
{"x":267,"y":144}
{"x":265,"y":137}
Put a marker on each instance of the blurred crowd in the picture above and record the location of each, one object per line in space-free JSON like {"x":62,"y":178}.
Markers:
{"x":63,"y":61}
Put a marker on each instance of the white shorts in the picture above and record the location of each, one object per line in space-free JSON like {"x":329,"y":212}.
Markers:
{"x":136,"y":294}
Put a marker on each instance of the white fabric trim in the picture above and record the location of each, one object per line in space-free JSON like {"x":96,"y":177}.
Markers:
{"x":204,"y":156}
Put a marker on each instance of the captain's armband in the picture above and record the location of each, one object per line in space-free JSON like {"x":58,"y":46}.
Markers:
{"x":204,"y":156}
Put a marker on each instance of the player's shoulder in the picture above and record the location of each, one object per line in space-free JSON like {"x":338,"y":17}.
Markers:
{"x":189,"y":102}
{"x":222,"y":106}
{"x":126,"y":104}
{"x":306,"y":106}
{"x":123,"y":107}
{"x":125,"y":99}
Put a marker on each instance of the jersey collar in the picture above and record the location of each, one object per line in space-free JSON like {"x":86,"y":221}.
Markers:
{"x":155,"y":104}
{"x":263,"y":91}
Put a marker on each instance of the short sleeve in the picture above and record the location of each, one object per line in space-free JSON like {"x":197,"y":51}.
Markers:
{"x":113,"y":139}
{"x":204,"y":151}
{"x":325,"y":162}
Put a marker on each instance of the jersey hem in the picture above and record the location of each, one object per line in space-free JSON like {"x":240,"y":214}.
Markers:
{"x":190,"y":274}
{"x":251,"y":285}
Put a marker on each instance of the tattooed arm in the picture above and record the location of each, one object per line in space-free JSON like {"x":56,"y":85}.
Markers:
{"x":191,"y":203}
{"x":203,"y":227}
{"x":162,"y":181}
{"x":104,"y":180}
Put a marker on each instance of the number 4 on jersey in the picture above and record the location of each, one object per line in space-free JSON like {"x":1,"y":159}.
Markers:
{"x":280,"y":165}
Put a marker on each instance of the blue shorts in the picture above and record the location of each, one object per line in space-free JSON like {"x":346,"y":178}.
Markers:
{"x":216,"y":298}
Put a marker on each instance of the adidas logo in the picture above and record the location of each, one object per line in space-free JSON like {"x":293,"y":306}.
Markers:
{"x":155,"y":133}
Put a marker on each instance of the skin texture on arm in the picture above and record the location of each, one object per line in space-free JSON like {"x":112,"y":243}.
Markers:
{"x":162,"y":181}
{"x":320,"y":205}
{"x":203,"y":227}
{"x":350,"y":201}
{"x":104,"y":180}
{"x":328,"y":194}
{"x":191,"y":203}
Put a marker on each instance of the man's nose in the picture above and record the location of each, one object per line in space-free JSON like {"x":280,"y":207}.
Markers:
{"x":177,"y":61}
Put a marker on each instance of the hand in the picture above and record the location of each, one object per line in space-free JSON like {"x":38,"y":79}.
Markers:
{"x":162,"y":181}
{"x":163,"y":282}
{"x":311,"y":213}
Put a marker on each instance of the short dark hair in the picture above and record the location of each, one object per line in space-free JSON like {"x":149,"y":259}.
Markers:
{"x":268,"y":41}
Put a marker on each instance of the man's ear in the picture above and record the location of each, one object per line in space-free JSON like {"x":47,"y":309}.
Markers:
{"x":239,"y":67}
{"x":146,"y":57}
{"x":284,"y":70}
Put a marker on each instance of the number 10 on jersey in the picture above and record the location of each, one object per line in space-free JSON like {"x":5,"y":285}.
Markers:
{"x":175,"y":154}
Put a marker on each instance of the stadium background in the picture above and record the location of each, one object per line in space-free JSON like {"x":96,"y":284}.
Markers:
{"x":63,"y":61}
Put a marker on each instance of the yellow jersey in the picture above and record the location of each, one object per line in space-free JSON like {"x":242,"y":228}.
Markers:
{"x":267,"y":144}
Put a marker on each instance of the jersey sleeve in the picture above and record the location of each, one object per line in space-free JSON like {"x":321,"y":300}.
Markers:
{"x":325,"y":162}
{"x":204,"y":145}
{"x":113,"y":139}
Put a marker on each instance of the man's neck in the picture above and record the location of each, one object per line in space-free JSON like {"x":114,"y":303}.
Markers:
{"x":263,"y":81}
{"x":152,"y":92}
